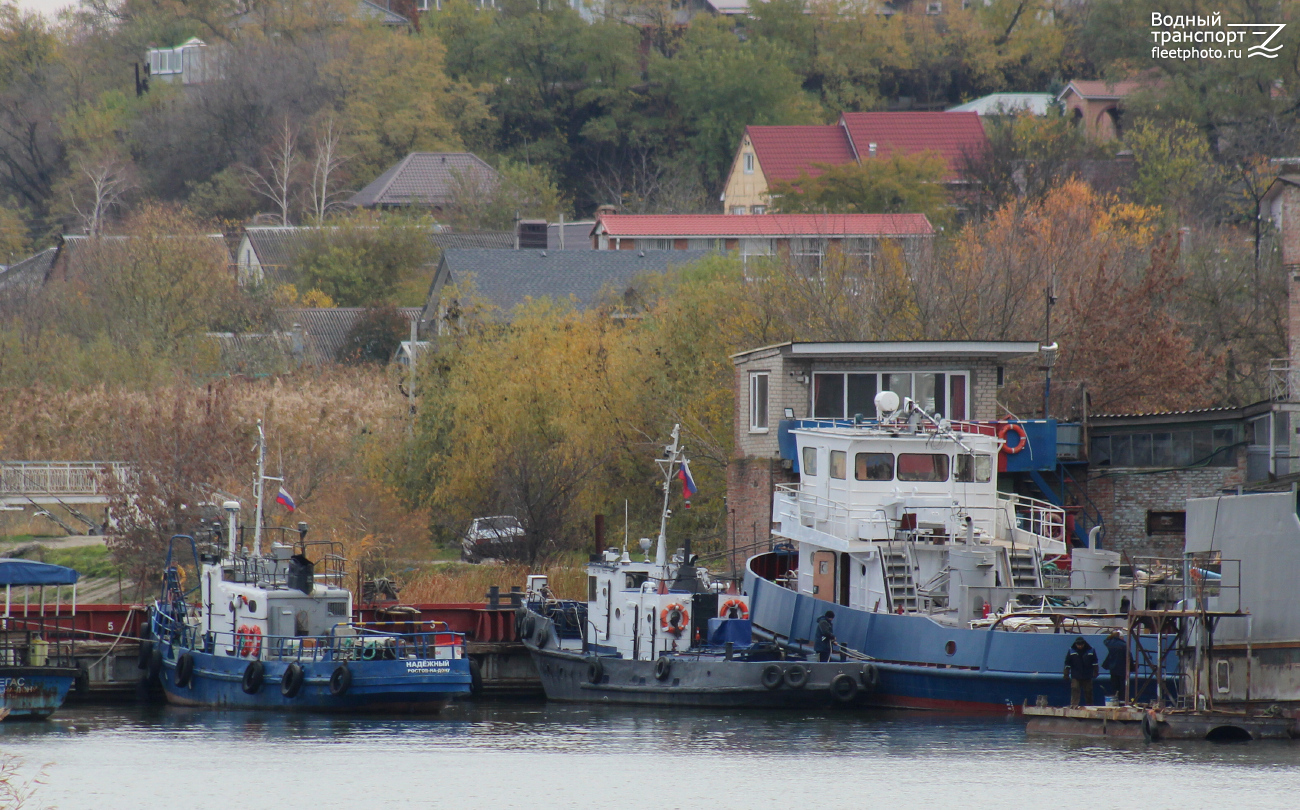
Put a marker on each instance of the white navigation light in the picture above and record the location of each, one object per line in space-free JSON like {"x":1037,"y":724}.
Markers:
{"x":886,"y":402}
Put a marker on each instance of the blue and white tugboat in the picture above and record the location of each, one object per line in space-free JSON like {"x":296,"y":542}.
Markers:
{"x":663,"y":633}
{"x":957,"y":592}
{"x":272,"y":629}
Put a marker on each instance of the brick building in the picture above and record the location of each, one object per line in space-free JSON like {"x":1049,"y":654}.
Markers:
{"x":789,"y":381}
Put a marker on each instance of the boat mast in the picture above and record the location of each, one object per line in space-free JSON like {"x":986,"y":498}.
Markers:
{"x":259,"y":485}
{"x":661,"y":551}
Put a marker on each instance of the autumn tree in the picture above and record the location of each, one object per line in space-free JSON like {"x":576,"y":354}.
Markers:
{"x":897,"y":184}
{"x":366,"y":258}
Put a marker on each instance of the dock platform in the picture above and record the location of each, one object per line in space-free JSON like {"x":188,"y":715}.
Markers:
{"x":1141,"y":723}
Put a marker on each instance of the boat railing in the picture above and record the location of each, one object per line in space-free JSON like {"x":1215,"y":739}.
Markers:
{"x":900,"y":425}
{"x":31,"y":648}
{"x":1041,"y":520}
{"x":833,"y":517}
{"x":344,"y":642}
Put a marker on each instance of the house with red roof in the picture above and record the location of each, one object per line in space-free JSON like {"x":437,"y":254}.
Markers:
{"x":772,"y":154}
{"x":809,"y":235}
{"x":1097,"y":106}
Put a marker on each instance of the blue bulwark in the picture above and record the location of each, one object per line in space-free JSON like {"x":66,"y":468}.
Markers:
{"x":1041,"y":452}
{"x":1040,"y":455}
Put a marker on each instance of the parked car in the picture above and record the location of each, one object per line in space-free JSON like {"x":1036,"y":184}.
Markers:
{"x":491,"y":538}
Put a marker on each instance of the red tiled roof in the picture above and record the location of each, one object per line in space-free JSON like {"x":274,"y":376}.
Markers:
{"x":950,"y":134}
{"x":1096,"y":88}
{"x":786,"y":152}
{"x":666,"y":226}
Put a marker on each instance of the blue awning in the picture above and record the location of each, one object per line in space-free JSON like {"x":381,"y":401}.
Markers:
{"x":30,"y":572}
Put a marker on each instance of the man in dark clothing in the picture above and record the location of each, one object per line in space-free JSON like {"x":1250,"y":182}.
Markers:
{"x":1080,"y":668}
{"x":1116,"y":662}
{"x":825,"y":636}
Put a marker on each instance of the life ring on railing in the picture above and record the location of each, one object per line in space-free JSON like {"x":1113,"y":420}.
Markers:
{"x":1008,"y":427}
{"x":674,"y":619}
{"x":249,"y":641}
{"x":741,"y":610}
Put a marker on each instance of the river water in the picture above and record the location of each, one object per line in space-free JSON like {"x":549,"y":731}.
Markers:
{"x":535,"y":756}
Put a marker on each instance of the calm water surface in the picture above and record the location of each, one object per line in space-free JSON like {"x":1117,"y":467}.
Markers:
{"x":538,"y":756}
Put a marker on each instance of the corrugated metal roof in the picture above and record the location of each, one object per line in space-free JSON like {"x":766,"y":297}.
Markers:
{"x":1144,"y":414}
{"x":1005,"y":103}
{"x":721,"y":226}
{"x":952,"y":135}
{"x":425,"y":178}
{"x":31,"y":272}
{"x":786,"y":152}
{"x":506,"y":278}
{"x":327,"y":329}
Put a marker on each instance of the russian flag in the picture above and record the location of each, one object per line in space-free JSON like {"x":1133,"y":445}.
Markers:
{"x":285,"y":499}
{"x":688,"y":483}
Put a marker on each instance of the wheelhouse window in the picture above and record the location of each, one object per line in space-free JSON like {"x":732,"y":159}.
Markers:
{"x":922,"y":467}
{"x":842,"y":395}
{"x":838,"y":462}
{"x":809,"y":466}
{"x":977,"y":469}
{"x":873,"y":467}
{"x":758,"y":402}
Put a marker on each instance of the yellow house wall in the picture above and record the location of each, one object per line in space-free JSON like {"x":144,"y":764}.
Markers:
{"x":744,"y":189}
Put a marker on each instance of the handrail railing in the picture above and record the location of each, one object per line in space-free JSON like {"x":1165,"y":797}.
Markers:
{"x":60,"y":477}
{"x":344,"y":642}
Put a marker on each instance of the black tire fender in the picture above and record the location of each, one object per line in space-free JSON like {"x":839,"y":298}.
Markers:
{"x":340,"y":680}
{"x":796,"y":677}
{"x":844,"y":687}
{"x":1150,"y":728}
{"x":82,"y":682}
{"x":155,"y":663}
{"x":596,"y":669}
{"x":291,"y":680}
{"x":184,"y":670}
{"x":870,"y":677}
{"x":663,"y":668}
{"x":475,"y":678}
{"x":773,"y":676}
{"x":542,"y":636}
{"x":254,"y":675}
{"x":526,"y":626}
{"x":146,"y":653}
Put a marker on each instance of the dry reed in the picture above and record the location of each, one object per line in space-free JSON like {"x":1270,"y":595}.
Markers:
{"x":461,"y":582}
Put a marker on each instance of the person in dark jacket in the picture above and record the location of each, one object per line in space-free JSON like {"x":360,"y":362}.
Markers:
{"x":1081,"y":669}
{"x":1116,"y":662}
{"x":825,"y":636}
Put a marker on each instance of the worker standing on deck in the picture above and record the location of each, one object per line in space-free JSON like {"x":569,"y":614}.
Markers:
{"x":825,"y":636}
{"x":1081,"y":668}
{"x":1116,"y":662}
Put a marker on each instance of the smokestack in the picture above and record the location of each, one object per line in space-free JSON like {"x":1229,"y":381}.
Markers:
{"x":600,"y":534}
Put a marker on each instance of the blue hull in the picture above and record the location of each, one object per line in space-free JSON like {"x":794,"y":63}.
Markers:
{"x":927,"y":665}
{"x":34,"y":692}
{"x":403,"y":685}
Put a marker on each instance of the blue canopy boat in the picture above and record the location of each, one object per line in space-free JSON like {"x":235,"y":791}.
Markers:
{"x":37,"y":667}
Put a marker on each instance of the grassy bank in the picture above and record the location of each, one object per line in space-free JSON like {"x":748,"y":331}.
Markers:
{"x":462,"y":582}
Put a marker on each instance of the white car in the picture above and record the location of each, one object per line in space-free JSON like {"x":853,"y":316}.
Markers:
{"x":491,"y":537}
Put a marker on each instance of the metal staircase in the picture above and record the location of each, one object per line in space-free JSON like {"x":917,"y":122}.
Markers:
{"x":1025,"y":572}
{"x":899,"y":579}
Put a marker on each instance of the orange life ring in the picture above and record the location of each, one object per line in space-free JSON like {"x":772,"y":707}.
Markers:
{"x":682,"y":619}
{"x":249,"y":640}
{"x":742,"y":610}
{"x":1008,"y":427}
